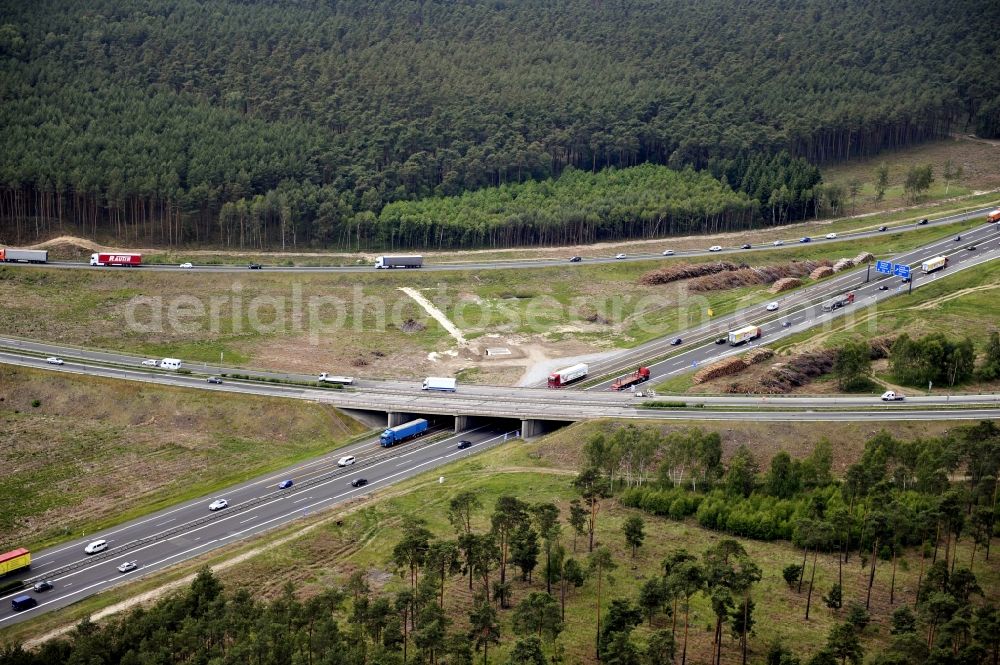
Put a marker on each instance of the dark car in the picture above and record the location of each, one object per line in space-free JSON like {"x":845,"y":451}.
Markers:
{"x":214,"y":379}
{"x":677,"y":342}
{"x":905,"y":280}
{"x":745,"y":246}
{"x":922,"y":222}
{"x":883,"y":228}
{"x":786,"y":324}
{"x":971,"y":248}
{"x":575,"y":259}
{"x":44,"y":585}
{"x":359,"y":482}
{"x":285,"y":484}
{"x":805,"y":239}
{"x":721,"y":340}
{"x":958,"y":238}
{"x":255,"y":266}
{"x":883,"y":288}
{"x":462,"y":445}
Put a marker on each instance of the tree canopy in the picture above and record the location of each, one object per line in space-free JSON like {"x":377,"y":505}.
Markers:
{"x":256,"y":123}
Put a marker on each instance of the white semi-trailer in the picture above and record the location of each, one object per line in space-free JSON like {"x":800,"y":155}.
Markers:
{"x":10,"y":255}
{"x":410,"y":261}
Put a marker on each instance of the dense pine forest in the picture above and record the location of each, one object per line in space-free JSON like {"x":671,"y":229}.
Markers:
{"x":139,"y":122}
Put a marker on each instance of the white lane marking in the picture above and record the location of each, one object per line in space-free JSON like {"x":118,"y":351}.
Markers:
{"x":172,"y":519}
{"x":90,"y":586}
{"x":305,"y":498}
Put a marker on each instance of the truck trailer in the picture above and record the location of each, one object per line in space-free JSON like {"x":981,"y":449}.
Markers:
{"x":410,"y":261}
{"x":332,"y":378}
{"x":10,"y":255}
{"x":993,"y":216}
{"x":842,"y":300}
{"x":393,"y":435}
{"x":930,"y":265}
{"x":439,"y":383}
{"x":640,"y":375}
{"x":737,"y":337}
{"x":125,"y":259}
{"x":14,"y":561}
{"x":567,"y":375}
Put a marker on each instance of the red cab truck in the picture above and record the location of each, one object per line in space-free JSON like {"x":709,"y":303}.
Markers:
{"x":116,"y":259}
{"x":640,"y":375}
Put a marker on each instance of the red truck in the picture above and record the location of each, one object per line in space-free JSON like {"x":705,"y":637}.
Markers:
{"x":640,"y":375}
{"x":119,"y":259}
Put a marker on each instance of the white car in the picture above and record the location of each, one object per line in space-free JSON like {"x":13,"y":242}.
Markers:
{"x":127,"y":567}
{"x":96,"y":546}
{"x":715,"y":248}
{"x":668,"y":252}
{"x":619,"y":256}
{"x":346,"y":460}
{"x":831,"y":236}
{"x":778,"y":243}
{"x":771,"y":306}
{"x":54,"y":361}
{"x":187,"y":265}
{"x":150,"y":363}
{"x":218,"y":504}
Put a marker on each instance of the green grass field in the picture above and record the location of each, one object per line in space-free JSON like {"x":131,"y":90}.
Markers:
{"x":83,"y":453}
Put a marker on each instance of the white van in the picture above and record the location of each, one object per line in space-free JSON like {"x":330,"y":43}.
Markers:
{"x":170,"y":363}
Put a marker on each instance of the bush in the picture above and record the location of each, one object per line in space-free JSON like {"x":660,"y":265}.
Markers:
{"x":791,"y":573}
{"x":858,"y":616}
{"x":36,"y":403}
{"x":835,"y":599}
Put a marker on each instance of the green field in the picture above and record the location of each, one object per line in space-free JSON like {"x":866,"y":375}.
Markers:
{"x":81,"y":454}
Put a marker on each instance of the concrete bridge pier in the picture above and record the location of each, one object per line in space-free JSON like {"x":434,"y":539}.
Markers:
{"x":462,"y":423}
{"x":398,"y":418}
{"x":531,"y":428}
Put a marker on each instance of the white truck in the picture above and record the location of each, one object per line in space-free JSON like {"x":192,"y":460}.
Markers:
{"x":737,"y":337}
{"x":10,"y":255}
{"x":892,"y":396}
{"x":170,"y":363}
{"x":439,"y":383}
{"x":408,"y":261}
{"x":333,"y":378}
{"x":930,"y":265}
{"x":567,"y":375}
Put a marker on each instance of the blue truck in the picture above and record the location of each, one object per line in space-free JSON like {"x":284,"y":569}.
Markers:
{"x":401,"y":433}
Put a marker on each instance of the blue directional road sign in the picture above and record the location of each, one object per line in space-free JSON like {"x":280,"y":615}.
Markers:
{"x":884,"y":267}
{"x":900,"y":270}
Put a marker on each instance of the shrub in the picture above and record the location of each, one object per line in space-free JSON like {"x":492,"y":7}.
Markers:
{"x":791,"y":573}
{"x":36,"y":403}
{"x":858,"y":616}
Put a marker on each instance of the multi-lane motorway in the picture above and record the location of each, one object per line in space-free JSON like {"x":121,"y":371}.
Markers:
{"x":535,"y":263}
{"x":802,"y":309}
{"x":181,"y":532}
{"x":190,"y":529}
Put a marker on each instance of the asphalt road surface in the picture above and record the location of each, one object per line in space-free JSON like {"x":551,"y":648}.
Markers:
{"x":524,"y":263}
{"x":500,"y":402}
{"x":180,"y":532}
{"x":802,"y":309}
